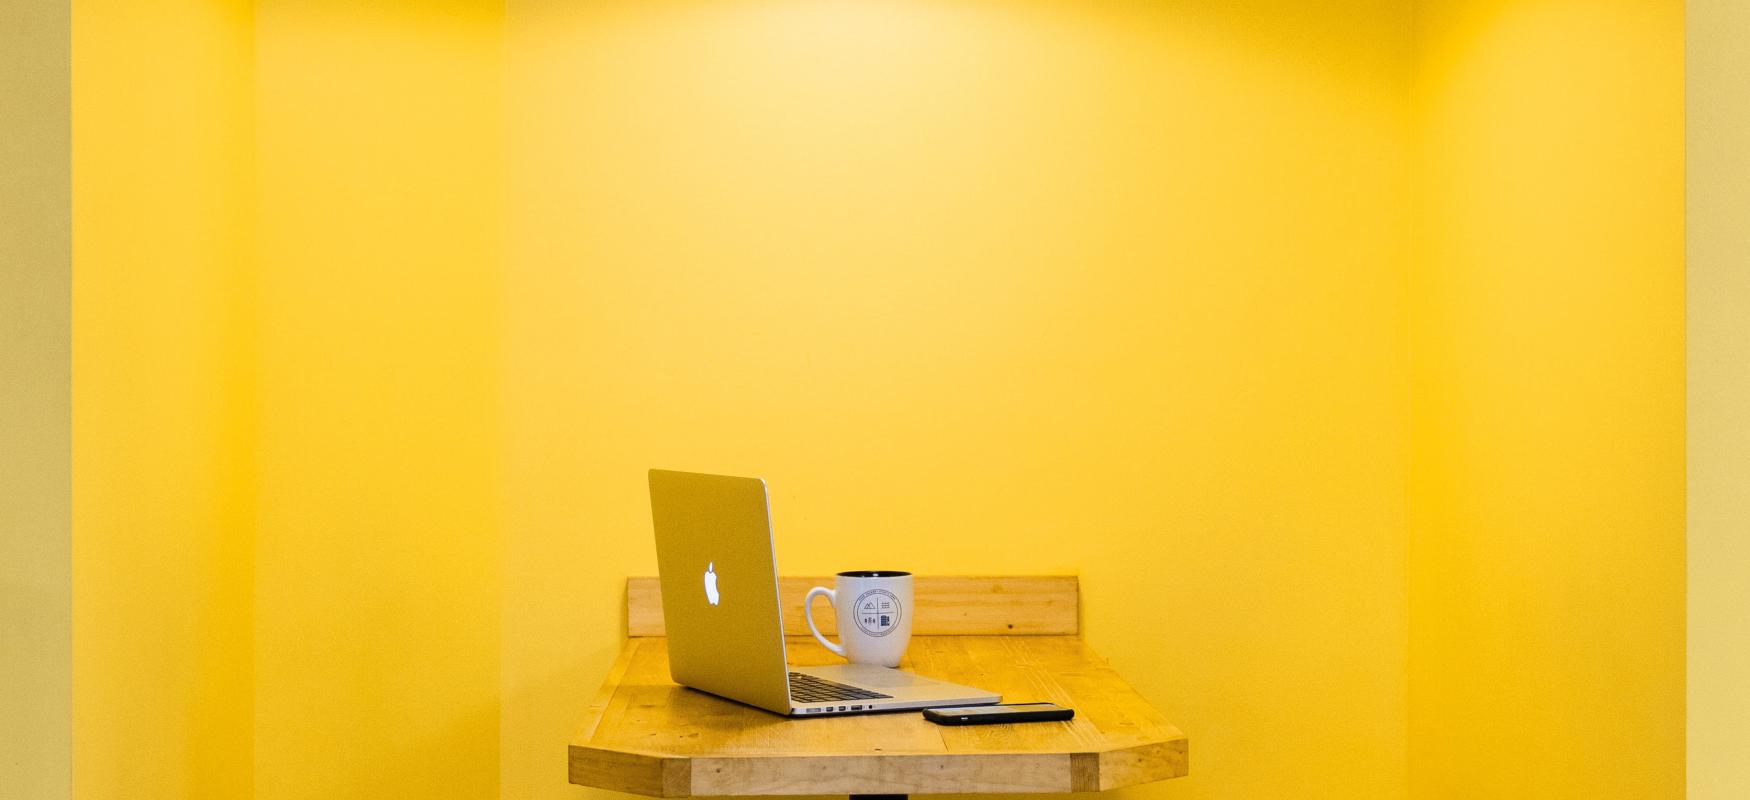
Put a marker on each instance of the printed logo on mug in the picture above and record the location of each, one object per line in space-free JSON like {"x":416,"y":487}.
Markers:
{"x":874,"y":621}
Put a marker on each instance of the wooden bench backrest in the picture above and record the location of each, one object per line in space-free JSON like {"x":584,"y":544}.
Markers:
{"x":946,"y":605}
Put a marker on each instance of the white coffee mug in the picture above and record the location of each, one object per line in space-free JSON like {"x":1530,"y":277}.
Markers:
{"x":874,"y":610}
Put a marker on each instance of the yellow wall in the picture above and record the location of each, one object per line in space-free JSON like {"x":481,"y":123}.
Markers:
{"x":161,"y":548}
{"x":1546,"y":537}
{"x":1718,"y":81}
{"x":377,"y":577}
{"x":979,"y":287}
{"x":36,"y":613}
{"x":382,"y":310}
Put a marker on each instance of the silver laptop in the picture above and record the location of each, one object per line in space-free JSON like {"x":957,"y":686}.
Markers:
{"x":720,"y":607}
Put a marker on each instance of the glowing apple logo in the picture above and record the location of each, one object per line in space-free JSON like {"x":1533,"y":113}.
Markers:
{"x":711,"y":583}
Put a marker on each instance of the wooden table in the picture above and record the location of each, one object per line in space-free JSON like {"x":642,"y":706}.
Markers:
{"x":1013,"y":635}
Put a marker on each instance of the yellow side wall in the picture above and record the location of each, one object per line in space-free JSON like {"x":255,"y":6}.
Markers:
{"x":161,"y":155}
{"x":36,"y":526}
{"x":377,"y":579}
{"x":986,"y":287}
{"x":1547,"y":510}
{"x":1719,"y":397}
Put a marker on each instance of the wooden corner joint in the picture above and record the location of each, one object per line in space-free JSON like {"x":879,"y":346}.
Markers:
{"x":1084,"y":772}
{"x":1143,"y":763}
{"x":629,"y":771}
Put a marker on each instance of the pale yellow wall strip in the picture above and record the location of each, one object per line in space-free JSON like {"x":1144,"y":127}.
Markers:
{"x":35,"y":422}
{"x":1718,"y":83}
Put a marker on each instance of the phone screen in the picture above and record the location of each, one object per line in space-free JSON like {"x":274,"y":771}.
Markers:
{"x":966,"y":711}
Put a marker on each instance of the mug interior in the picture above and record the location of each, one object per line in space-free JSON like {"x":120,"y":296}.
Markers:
{"x":874,"y":573}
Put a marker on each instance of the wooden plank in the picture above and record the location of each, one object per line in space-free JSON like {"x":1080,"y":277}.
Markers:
{"x":638,"y":773}
{"x":1084,"y":772}
{"x":881,"y":774}
{"x":609,"y":768}
{"x":655,"y":738}
{"x":1142,"y":763}
{"x":947,"y":605}
{"x":598,"y":705}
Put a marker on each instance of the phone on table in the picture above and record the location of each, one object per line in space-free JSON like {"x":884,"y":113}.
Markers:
{"x":995,"y":714}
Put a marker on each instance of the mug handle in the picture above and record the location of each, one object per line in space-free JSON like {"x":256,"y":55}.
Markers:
{"x":808,"y":611}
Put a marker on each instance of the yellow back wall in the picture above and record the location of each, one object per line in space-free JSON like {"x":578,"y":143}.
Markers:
{"x":979,"y":287}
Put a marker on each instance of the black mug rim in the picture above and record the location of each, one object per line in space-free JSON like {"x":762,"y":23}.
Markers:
{"x":874,"y":573}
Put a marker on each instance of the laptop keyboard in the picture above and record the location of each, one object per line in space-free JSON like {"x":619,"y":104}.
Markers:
{"x":809,"y":689}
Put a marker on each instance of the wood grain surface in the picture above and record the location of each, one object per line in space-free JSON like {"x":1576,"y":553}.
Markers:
{"x":644,"y":734}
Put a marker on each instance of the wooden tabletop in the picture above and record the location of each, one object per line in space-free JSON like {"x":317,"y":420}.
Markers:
{"x":643,"y":734}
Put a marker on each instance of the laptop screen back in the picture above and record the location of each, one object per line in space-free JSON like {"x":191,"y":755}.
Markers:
{"x":720,"y":586}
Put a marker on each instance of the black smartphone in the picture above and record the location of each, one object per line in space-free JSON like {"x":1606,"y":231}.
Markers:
{"x":992,"y":715}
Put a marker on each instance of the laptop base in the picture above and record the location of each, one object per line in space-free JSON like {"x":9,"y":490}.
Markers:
{"x":904,"y":690}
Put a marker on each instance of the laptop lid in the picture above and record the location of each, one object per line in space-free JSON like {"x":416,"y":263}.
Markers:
{"x":720,"y":586}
